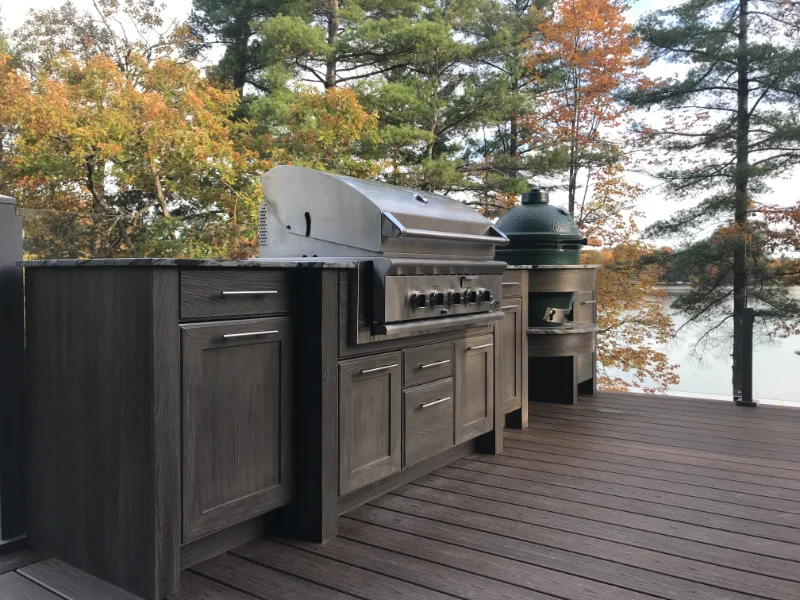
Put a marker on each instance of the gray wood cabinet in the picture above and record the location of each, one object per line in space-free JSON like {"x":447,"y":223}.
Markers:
{"x":510,"y":352}
{"x":370,"y":420}
{"x":236,"y":416}
{"x":474,"y":386}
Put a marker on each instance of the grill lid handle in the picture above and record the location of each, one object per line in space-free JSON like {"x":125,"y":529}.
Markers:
{"x":392,"y":227}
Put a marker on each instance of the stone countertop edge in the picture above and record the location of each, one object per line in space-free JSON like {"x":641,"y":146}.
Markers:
{"x":264,"y":263}
{"x":548,"y":267}
{"x":565,"y":329}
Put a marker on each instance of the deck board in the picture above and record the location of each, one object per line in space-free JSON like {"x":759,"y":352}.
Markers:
{"x":620,"y":497}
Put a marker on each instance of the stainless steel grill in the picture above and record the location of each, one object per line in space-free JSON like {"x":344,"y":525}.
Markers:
{"x":426,"y":260}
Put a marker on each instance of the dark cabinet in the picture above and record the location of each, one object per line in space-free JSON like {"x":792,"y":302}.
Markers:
{"x":370,"y":420}
{"x":509,"y":335}
{"x":236,"y":421}
{"x":474,"y":386}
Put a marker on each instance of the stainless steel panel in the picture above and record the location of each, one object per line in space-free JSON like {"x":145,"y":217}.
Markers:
{"x":424,"y":327}
{"x":310,"y":213}
{"x":441,"y":291}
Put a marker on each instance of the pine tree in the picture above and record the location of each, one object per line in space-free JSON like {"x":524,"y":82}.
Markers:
{"x":500,"y":157}
{"x":230,"y":23}
{"x":732,"y":124}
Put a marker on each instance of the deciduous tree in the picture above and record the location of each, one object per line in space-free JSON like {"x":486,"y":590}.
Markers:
{"x":590,"y":47}
{"x":133,"y":140}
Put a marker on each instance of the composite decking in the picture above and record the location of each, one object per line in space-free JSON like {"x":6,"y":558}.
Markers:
{"x":621,"y":497}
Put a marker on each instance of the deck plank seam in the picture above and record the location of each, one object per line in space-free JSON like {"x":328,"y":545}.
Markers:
{"x":755,"y":539}
{"x":633,"y":529}
{"x":589,"y":537}
{"x":341,"y":591}
{"x":724,"y":475}
{"x":759,"y":502}
{"x":528,"y":562}
{"x":597,"y":504}
{"x":667,"y":449}
{"x":596,"y":479}
{"x":623,"y":451}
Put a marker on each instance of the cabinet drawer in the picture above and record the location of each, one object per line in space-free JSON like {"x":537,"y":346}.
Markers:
{"x":211,"y":293}
{"x":512,"y":283}
{"x":584,"y":308}
{"x":427,"y":363}
{"x":430,"y":424}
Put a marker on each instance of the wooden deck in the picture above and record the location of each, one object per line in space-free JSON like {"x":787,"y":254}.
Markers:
{"x":622,"y":497}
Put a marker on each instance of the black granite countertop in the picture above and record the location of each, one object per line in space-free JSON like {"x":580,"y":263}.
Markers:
{"x":565,"y":329}
{"x":265,"y":263}
{"x":549,"y":267}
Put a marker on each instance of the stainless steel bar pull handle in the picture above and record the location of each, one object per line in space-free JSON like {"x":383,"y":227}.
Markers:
{"x":230,"y":336}
{"x":434,"y":364}
{"x":511,"y":283}
{"x":479,"y":347}
{"x":376,"y":369}
{"x":435,"y":402}
{"x":589,"y":302}
{"x":509,"y":306}
{"x":249,"y":293}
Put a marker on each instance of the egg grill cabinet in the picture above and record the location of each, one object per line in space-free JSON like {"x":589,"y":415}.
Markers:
{"x":560,"y":298}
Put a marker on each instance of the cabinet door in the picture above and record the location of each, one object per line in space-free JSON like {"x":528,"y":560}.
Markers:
{"x":236,"y":421}
{"x":509,"y":348}
{"x":369,"y":420}
{"x":474,"y":381}
{"x":584,"y":310}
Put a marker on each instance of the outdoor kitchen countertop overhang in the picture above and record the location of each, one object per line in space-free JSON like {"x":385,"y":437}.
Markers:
{"x":264,"y":263}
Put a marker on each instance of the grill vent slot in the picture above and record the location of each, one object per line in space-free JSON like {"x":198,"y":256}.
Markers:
{"x":263,"y":238}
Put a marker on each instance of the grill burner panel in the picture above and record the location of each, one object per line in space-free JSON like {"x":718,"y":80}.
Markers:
{"x":429,"y":296}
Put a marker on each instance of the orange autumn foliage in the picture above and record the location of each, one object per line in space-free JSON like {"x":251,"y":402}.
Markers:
{"x":586,"y":54}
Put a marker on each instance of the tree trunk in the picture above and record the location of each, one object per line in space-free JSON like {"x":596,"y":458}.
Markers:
{"x":741,"y":179}
{"x":514,"y":144}
{"x":573,"y":180}
{"x":333,"y":37}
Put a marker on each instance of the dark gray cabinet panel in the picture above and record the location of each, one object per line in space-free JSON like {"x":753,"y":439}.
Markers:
{"x":103,"y":354}
{"x":219,"y":294}
{"x":509,"y":348}
{"x":369,"y":420}
{"x":474,"y":386}
{"x":236,"y":421}
{"x":429,"y":420}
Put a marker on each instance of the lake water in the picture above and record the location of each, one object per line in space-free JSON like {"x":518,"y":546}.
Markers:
{"x":776,"y":366}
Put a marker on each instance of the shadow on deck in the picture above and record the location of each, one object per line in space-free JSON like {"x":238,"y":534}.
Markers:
{"x":621,"y":497}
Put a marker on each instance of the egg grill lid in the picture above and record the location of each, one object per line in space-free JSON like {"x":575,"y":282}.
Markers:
{"x":536,"y":221}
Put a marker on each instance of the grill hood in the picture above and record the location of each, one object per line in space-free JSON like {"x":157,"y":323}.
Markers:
{"x":310,"y":213}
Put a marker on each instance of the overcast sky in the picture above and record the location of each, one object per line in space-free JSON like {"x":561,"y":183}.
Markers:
{"x":785,"y":191}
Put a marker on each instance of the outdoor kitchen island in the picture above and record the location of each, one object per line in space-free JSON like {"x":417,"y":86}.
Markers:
{"x":180,"y":408}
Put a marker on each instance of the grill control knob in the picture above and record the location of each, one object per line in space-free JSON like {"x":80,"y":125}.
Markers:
{"x":418,"y":300}
{"x":486,"y":295}
{"x":438,"y":299}
{"x":456,"y":297}
{"x":472,"y":296}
